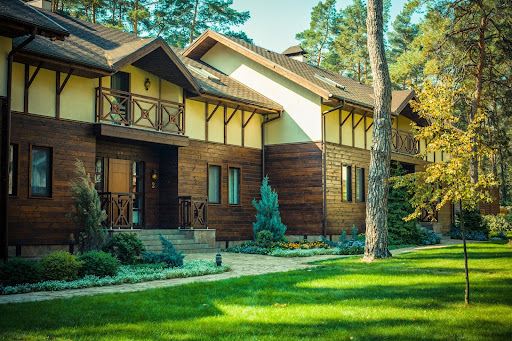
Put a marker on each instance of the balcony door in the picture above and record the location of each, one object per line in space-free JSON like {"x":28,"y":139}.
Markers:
{"x":121,"y":201}
{"x":121,"y":100}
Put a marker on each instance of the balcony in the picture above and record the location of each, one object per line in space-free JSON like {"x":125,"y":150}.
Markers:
{"x":404,"y":142}
{"x":133,"y":110}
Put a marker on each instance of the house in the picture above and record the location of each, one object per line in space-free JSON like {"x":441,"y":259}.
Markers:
{"x":182,"y":138}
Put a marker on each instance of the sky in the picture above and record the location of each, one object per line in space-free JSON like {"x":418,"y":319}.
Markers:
{"x":274,"y":23}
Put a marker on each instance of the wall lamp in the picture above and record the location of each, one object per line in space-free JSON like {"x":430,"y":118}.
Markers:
{"x":147,"y":83}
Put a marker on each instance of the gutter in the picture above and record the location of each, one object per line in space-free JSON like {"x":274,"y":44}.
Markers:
{"x":6,"y":142}
{"x":324,"y":166}
{"x":265,"y":121}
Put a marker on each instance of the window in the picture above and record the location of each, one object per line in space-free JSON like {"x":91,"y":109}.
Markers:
{"x":214,"y":181}
{"x":346,"y":183}
{"x":234,"y":186}
{"x":138,"y":192}
{"x":41,"y":172}
{"x":13,"y":170}
{"x":360,"y":190}
{"x":99,"y":171}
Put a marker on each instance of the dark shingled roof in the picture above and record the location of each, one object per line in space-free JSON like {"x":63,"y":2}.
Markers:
{"x":18,"y":12}
{"x":226,"y":87}
{"x":294,"y":50}
{"x":107,"y":49}
{"x":349,"y":90}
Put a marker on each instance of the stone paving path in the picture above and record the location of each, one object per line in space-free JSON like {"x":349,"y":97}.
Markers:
{"x":241,"y":265}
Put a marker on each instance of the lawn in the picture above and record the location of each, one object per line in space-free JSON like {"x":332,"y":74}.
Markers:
{"x":413,"y":296}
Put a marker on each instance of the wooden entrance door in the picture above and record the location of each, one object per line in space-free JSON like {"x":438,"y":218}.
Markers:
{"x":119,"y":178}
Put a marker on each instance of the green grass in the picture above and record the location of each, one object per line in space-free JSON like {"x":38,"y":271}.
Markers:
{"x":411,"y":297}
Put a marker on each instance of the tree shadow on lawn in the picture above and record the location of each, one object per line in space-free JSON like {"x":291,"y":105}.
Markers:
{"x":475,"y":251}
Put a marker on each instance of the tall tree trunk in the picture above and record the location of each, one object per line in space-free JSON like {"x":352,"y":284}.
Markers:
{"x":466,"y":269}
{"x":93,"y":13}
{"x":136,"y":19}
{"x":114,"y":5}
{"x":473,"y":168}
{"x":192,"y":27}
{"x":323,"y":42}
{"x":378,"y":179}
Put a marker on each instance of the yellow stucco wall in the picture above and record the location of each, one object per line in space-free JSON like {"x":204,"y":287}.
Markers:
{"x":18,"y":76}
{"x":5,"y":48}
{"x":253,"y":131}
{"x":77,"y":100}
{"x":234,"y":127}
{"x":194,"y":119}
{"x":216,"y":124}
{"x":301,"y":120}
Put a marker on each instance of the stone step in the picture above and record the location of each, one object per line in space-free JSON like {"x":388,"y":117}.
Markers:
{"x":175,"y":242}
{"x":167,"y":236}
{"x":162,"y":231}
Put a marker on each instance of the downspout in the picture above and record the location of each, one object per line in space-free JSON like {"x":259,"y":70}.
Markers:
{"x":265,"y":121}
{"x":6,"y":142}
{"x":324,"y":167}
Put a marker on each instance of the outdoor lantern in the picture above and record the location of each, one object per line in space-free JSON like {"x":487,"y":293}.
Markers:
{"x":218,"y":258}
{"x":153,"y":175}
{"x":147,"y":83}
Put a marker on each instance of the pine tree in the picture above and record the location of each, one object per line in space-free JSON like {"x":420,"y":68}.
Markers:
{"x":268,"y":217}
{"x":86,"y":214}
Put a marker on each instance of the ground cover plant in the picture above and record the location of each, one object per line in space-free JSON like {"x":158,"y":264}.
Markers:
{"x":415,"y":296}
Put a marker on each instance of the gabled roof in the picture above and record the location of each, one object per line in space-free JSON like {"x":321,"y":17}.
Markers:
{"x":107,"y":50}
{"x":221,"y":85}
{"x":325,"y":84}
{"x":15,"y":16}
{"x":294,"y":50}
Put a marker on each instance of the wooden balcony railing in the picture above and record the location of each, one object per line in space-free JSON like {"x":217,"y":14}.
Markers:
{"x":404,"y":142}
{"x":119,"y":208}
{"x":129,"y":109}
{"x":431,"y":215}
{"x":193,"y":212}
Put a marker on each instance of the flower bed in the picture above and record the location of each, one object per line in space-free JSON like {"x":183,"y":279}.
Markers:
{"x":127,"y":274}
{"x":303,"y":248}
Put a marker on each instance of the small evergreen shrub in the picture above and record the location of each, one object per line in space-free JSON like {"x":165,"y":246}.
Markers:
{"x":169,"y":255}
{"x":99,"y":264}
{"x":19,"y":271}
{"x":343,"y":237}
{"x":86,"y":213}
{"x":353,"y":231}
{"x":60,"y":266}
{"x":264,"y":239}
{"x":268,"y":217}
{"x":126,"y":247}
{"x":474,"y":225}
{"x":428,"y":237}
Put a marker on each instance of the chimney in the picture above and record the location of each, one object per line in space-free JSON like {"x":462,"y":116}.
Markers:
{"x":43,"y":4}
{"x":295,"y":52}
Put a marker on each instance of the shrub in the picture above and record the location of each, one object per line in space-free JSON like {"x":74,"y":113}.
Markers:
{"x":400,"y":231}
{"x":19,"y":271}
{"x":343,"y":237}
{"x":169,"y":255}
{"x":60,"y":266}
{"x":268,"y":216}
{"x":264,"y":239}
{"x":428,"y":237}
{"x":248,"y":247}
{"x":99,"y":264}
{"x":497,"y":223}
{"x":86,"y":214}
{"x":475,"y":228}
{"x":126,"y":247}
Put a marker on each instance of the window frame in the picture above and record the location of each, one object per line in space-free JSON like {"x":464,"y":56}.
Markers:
{"x":15,"y":170}
{"x":142,"y":209}
{"x":35,"y":196}
{"x":349,"y":189}
{"x":208,"y":183}
{"x":364,"y":185}
{"x":239,"y":185}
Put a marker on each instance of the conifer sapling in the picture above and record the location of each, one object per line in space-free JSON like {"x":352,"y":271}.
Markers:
{"x":268,"y":217}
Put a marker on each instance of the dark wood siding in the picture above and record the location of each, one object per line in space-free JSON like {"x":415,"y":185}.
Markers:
{"x":231,"y":222}
{"x":295,"y":172}
{"x":43,"y":221}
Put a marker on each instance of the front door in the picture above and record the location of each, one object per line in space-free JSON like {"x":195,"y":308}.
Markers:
{"x":119,"y":177}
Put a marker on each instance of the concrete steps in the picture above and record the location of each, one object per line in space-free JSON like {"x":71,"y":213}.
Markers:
{"x":179,"y":238}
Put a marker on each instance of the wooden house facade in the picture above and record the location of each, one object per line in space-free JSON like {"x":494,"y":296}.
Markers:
{"x":181,"y":139}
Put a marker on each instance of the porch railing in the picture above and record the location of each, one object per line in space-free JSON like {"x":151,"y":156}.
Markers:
{"x":404,"y":142}
{"x":129,"y":109}
{"x":193,"y":212}
{"x":119,"y":208}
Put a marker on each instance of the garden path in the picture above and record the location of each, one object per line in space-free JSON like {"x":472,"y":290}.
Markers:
{"x":241,"y":265}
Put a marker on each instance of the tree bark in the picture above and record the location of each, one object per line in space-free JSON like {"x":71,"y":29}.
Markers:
{"x":136,"y":19}
{"x":473,"y":167}
{"x":192,"y":27}
{"x":378,"y":178}
{"x":466,"y":269}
